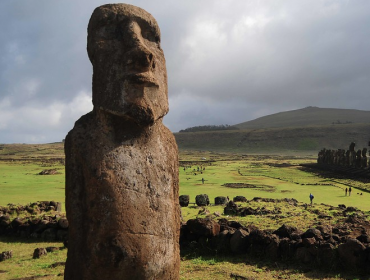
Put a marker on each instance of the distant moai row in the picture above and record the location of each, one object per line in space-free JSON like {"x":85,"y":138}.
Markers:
{"x":350,"y":157}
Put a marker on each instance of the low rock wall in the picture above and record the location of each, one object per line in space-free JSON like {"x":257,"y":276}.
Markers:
{"x":324,"y":246}
{"x":38,"y":220}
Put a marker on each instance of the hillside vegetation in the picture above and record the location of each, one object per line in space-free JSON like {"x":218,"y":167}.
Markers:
{"x":308,"y":116}
{"x":305,"y":131}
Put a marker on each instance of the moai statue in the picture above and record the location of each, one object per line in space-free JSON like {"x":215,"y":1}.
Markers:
{"x":352,"y":154}
{"x":358,"y":158}
{"x":121,"y":161}
{"x":335,"y":157}
{"x":364,"y":158}
{"x":342,"y":157}
{"x":348,"y":158}
{"x":320,"y":156}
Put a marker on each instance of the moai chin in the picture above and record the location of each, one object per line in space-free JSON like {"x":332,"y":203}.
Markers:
{"x":121,"y":161}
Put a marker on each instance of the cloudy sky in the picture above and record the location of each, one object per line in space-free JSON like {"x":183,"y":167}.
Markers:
{"x":228,"y":61}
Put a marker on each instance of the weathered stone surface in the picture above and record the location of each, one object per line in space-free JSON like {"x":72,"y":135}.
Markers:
{"x":63,"y":223}
{"x":326,"y":255}
{"x":202,"y":200}
{"x":287,"y":248}
{"x":221,"y":200}
{"x":285,"y":231}
{"x":6,"y":255}
{"x":203,"y":227}
{"x":351,"y":253}
{"x":49,"y":234}
{"x":238,"y":241}
{"x":221,"y":242}
{"x":231,"y":209}
{"x":364,"y":238}
{"x":121,"y":161}
{"x":262,"y":243}
{"x":39,"y":252}
{"x":184,"y":200}
{"x":326,"y":230}
{"x":312,"y":232}
{"x":239,"y":198}
{"x":304,"y":255}
{"x":51,"y":249}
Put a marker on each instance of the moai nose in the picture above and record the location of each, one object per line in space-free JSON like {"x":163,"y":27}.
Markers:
{"x":144,"y":59}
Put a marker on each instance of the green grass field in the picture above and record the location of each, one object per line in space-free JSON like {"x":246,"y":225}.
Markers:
{"x":267,"y":176}
{"x":269,"y":182}
{"x":21,"y":184}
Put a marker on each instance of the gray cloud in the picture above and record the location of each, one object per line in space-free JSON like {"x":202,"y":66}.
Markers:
{"x":227,"y":61}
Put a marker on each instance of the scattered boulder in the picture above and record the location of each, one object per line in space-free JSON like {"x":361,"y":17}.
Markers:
{"x":312,"y":232}
{"x":63,"y":223}
{"x":238,"y":241}
{"x":239,"y":198}
{"x":363,"y":238}
{"x":231,"y":209}
{"x":6,"y":255}
{"x":262,"y":242}
{"x":221,"y":200}
{"x":203,"y":227}
{"x":326,"y":230}
{"x":304,"y":255}
{"x":202,"y":200}
{"x":49,"y":234}
{"x":351,"y":253}
{"x":49,"y":172}
{"x":285,"y":231}
{"x":39,"y":252}
{"x":51,"y":249}
{"x":184,"y":200}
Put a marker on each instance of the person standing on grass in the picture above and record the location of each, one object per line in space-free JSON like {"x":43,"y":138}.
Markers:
{"x":346,"y":191}
{"x":349,"y":192}
{"x":311,"y":198}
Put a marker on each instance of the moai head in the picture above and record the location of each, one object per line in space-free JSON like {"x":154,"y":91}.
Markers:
{"x":352,"y":146}
{"x":130,"y":77}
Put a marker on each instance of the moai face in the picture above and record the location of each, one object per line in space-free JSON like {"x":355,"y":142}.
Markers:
{"x":130,"y":78}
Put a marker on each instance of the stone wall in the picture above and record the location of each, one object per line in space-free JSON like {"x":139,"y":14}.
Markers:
{"x":328,"y":247}
{"x":37,"y":220}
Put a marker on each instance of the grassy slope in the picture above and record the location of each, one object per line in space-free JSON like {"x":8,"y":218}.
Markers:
{"x":306,"y":117}
{"x":306,"y":130}
{"x":307,"y":140}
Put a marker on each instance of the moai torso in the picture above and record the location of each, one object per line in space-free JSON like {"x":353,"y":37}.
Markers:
{"x":364,"y":158}
{"x":121,"y":161}
{"x":121,"y":206}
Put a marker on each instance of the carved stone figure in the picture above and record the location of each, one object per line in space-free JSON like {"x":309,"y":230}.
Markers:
{"x":358,"y":158}
{"x":121,"y":161}
{"x":364,"y":158}
{"x":352,"y":154}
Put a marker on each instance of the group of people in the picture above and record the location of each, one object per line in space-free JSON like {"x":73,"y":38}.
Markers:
{"x":348,"y":191}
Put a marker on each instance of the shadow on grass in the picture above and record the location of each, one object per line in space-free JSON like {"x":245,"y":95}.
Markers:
{"x":286,"y":269}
